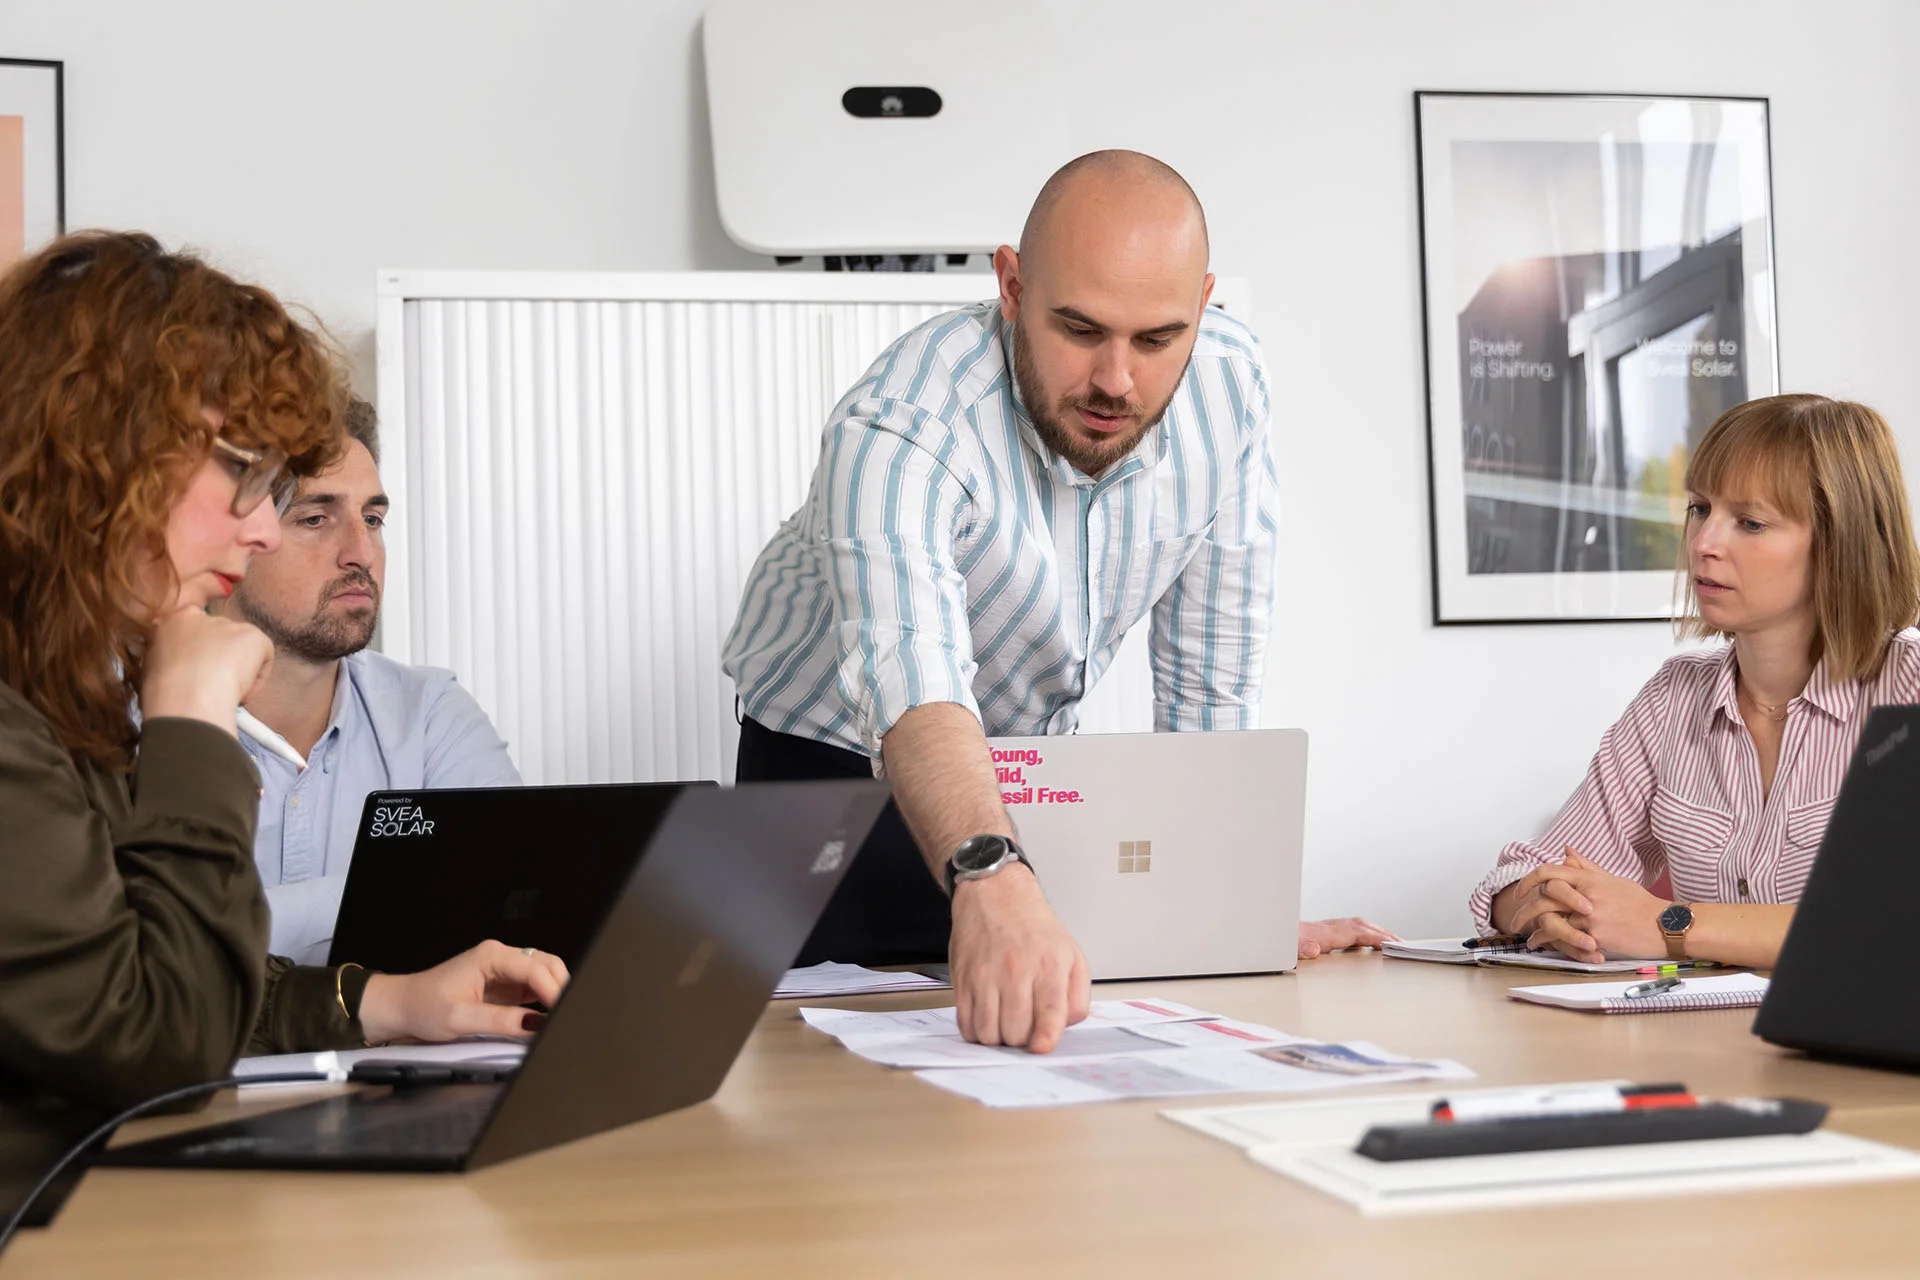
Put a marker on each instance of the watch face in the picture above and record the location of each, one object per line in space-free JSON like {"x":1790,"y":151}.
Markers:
{"x":1677,"y":918}
{"x":980,"y":853}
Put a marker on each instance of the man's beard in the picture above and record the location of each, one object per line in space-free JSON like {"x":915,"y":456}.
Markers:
{"x":323,"y":637}
{"x":1050,"y":420}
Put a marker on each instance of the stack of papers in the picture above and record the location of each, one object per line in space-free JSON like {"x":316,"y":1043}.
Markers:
{"x":1561,"y":964}
{"x":1454,"y":951}
{"x":1432,"y":950}
{"x":1314,"y":1142}
{"x":1124,"y":1049}
{"x":819,"y":981}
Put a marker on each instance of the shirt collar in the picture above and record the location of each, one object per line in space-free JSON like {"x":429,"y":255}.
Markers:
{"x":1725,"y":696}
{"x":1823,"y":692}
{"x":1826,"y":693}
{"x":270,"y":740}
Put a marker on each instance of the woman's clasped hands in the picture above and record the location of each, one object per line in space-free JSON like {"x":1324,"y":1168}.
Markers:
{"x":1586,"y":913}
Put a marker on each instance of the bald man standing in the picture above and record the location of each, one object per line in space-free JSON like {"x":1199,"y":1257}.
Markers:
{"x":1000,"y":499}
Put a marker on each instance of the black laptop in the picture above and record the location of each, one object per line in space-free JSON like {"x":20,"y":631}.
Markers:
{"x":437,"y":872}
{"x":1844,"y":986}
{"x":677,"y":972}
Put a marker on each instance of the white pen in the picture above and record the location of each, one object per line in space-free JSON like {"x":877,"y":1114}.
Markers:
{"x":1502,"y":1104}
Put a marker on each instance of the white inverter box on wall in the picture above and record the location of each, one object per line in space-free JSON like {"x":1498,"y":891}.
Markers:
{"x":881,"y":126}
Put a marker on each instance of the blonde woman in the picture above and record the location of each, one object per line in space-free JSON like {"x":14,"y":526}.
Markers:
{"x":1723,"y":771}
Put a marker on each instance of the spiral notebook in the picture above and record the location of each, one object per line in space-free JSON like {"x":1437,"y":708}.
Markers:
{"x":1733,"y":991}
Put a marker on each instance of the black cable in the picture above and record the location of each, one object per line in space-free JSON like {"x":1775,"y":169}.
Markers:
{"x":106,"y":1129}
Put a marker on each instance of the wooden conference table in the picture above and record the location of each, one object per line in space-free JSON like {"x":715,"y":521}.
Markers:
{"x":812,"y":1162}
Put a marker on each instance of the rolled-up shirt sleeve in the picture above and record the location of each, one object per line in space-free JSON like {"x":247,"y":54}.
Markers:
{"x":890,"y":507}
{"x":1208,"y":642}
{"x":1607,"y":817}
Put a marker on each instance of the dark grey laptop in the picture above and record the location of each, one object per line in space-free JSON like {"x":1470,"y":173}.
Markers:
{"x":1843,"y":986}
{"x":677,"y":973}
{"x":437,"y":872}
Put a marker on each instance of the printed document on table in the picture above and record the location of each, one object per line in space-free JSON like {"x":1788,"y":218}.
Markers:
{"x":830,"y":979}
{"x":1079,"y":1043}
{"x":1297,"y":1066}
{"x":842,"y":1023}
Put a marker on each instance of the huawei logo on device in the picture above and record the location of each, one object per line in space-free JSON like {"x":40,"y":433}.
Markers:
{"x":1136,"y":857}
{"x":828,"y":860}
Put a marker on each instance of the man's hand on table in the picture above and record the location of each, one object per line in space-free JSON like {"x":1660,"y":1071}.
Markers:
{"x":1320,"y":936}
{"x":1018,"y":977}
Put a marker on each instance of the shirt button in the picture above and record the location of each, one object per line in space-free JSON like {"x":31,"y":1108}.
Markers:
{"x":1742,"y":886}
{"x":294,"y":801}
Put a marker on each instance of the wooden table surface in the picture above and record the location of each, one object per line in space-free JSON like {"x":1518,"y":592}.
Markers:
{"x":811,"y":1162}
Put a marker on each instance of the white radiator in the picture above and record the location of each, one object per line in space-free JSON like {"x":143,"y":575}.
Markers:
{"x":584,"y":467}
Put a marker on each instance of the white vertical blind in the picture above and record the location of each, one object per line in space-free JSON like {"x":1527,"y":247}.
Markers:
{"x":584,"y":468}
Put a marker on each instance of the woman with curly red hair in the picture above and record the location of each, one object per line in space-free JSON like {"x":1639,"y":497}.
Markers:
{"x":150,"y":408}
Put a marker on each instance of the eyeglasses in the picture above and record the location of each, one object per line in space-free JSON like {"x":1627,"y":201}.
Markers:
{"x":258,"y":475}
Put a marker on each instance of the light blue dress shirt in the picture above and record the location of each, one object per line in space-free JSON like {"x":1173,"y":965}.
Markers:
{"x":946,"y":554}
{"x":393,"y":727}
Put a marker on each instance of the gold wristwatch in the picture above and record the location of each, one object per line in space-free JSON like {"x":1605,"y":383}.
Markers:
{"x":1674,"y":923}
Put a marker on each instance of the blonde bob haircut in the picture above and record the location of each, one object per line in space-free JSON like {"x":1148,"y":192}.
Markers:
{"x":1831,"y":464}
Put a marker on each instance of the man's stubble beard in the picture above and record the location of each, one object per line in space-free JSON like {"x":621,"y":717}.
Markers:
{"x":1053,"y":432}
{"x":321,"y":638}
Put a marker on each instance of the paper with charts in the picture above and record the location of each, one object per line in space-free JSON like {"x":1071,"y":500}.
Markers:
{"x":1124,"y":1049}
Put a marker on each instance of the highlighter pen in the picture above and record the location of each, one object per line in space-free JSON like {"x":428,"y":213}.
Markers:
{"x":1672,"y":967}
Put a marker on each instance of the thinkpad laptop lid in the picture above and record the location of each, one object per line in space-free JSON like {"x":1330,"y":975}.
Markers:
{"x":1842,"y":986}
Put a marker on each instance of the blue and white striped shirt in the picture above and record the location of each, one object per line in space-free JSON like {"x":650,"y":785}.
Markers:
{"x":944,"y":554}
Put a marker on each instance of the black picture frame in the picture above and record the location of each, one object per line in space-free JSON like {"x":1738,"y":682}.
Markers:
{"x":18,"y":76}
{"x":1605,"y":564}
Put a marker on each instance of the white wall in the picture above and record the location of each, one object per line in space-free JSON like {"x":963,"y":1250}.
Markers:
{"x":309,"y":146}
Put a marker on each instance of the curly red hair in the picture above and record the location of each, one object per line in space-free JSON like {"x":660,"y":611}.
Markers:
{"x":110,"y":349}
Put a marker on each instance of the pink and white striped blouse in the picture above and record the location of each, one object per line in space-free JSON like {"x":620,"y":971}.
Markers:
{"x":1675,"y":786}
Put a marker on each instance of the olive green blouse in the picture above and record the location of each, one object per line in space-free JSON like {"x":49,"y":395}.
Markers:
{"x":133,"y":934}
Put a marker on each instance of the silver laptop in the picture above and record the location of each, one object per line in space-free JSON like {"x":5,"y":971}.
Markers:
{"x":1166,"y":854}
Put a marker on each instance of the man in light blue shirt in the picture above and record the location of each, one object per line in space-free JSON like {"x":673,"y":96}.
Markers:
{"x":333,"y":721}
{"x":1009,"y":491}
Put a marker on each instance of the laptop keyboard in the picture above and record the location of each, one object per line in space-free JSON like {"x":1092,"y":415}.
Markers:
{"x":435,"y":1126}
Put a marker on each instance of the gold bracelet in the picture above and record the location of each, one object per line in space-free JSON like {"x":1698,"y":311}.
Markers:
{"x":339,"y":993}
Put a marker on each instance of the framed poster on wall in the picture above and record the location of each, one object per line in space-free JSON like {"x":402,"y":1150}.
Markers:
{"x":1598,"y":287}
{"x":32,"y":161}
